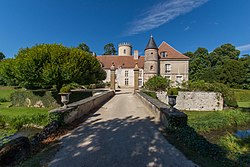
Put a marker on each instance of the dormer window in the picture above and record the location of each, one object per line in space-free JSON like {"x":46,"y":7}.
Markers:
{"x":164,"y":54}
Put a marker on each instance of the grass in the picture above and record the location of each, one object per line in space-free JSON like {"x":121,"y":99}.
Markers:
{"x":238,"y":149}
{"x":242,"y":97}
{"x":5,"y":92}
{"x":13,"y":118}
{"x":244,"y":104}
{"x":208,"y":121}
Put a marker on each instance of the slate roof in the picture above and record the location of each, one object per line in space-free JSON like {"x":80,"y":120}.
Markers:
{"x":151,"y":44}
{"x":120,"y":61}
{"x":171,"y":52}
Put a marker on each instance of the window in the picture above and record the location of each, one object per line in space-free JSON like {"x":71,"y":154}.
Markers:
{"x":140,"y":82}
{"x":178,"y":79}
{"x":164,"y":54}
{"x":151,"y":67}
{"x":167,"y":68}
{"x":126,"y":81}
{"x":168,"y":77}
{"x":140,"y":74}
{"x":126,"y":73}
{"x":124,"y":51}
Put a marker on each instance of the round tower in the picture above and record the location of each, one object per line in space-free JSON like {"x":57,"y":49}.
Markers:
{"x":125,"y":49}
{"x":151,"y":60}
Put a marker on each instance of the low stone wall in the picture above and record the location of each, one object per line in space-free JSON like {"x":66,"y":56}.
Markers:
{"x":195,"y":101}
{"x":168,"y":117}
{"x":78,"y":109}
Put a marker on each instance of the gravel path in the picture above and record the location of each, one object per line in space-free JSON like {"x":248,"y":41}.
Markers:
{"x":121,"y":133}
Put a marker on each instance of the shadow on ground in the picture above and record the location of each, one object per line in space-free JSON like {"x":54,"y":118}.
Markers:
{"x":117,"y":142}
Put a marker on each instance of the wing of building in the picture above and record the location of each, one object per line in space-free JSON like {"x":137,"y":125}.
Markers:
{"x":163,"y":60}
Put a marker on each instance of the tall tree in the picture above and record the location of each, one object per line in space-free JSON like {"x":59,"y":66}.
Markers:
{"x":109,"y":49}
{"x":199,"y":63}
{"x":226,"y":51}
{"x":2,"y":56}
{"x":84,"y":47}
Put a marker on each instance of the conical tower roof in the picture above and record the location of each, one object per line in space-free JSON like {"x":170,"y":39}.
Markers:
{"x":151,"y":44}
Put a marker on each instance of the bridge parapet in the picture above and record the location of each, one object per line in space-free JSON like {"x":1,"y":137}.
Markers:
{"x":169,"y":118}
{"x":77,"y":109}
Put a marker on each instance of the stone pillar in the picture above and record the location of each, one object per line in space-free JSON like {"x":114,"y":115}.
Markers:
{"x":136,"y":78}
{"x":112,"y":77}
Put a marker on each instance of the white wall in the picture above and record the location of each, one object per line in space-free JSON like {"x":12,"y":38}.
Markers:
{"x":196,"y":101}
{"x":120,"y":77}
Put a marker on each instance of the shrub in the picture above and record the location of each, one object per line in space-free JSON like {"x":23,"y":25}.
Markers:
{"x":151,"y":94}
{"x":17,"y":122}
{"x":29,"y":98}
{"x":172,"y":91}
{"x":100,"y":84}
{"x":92,"y":86}
{"x":2,"y":121}
{"x":2,"y":100}
{"x":65,"y":89}
{"x":157,"y":83}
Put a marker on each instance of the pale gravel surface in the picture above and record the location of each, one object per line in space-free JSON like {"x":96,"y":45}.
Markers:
{"x":120,"y":134}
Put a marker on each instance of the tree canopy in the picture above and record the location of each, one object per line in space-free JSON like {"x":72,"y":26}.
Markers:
{"x":221,"y":65}
{"x":84,"y":47}
{"x":45,"y":65}
{"x":109,"y":49}
{"x":2,"y":56}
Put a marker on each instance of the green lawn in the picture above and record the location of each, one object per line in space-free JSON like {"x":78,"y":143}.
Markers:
{"x":5,"y":92}
{"x":207,"y":121}
{"x":242,"y":97}
{"x":13,"y":118}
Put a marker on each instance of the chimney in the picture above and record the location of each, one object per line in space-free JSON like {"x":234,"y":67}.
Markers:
{"x":136,"y":55}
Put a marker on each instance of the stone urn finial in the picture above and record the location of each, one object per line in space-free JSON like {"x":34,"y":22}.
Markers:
{"x":112,"y":66}
{"x":65,"y":99}
{"x":136,"y":66}
{"x":172,"y":94}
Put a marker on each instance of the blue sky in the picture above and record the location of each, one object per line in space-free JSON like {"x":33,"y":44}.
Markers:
{"x":184,"y":24}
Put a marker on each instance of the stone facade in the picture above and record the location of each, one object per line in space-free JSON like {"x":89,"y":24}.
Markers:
{"x":163,"y":60}
{"x":196,"y":101}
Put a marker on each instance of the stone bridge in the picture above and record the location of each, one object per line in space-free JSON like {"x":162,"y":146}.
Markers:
{"x":121,"y":133}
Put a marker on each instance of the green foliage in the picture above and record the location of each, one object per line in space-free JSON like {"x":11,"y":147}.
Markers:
{"x":45,"y":65}
{"x":223,"y":65}
{"x":242,"y":95}
{"x":8,"y":72}
{"x":2,"y":100}
{"x":17,"y":122}
{"x":26,"y":98}
{"x":157,"y":83}
{"x":207,"y":121}
{"x":151,"y":94}
{"x":84,"y":47}
{"x":65,"y":89}
{"x":188,"y":138}
{"x":2,"y":56}
{"x":239,"y":149}
{"x":2,"y":122}
{"x":100,"y":84}
{"x":227,"y":93}
{"x":57,"y":116}
{"x":172,"y":91}
{"x":109,"y":49}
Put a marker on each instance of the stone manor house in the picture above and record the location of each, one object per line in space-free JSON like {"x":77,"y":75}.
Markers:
{"x":163,"y":60}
